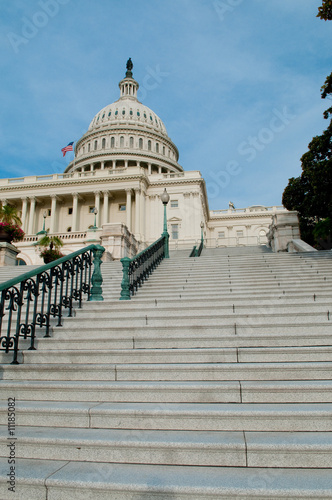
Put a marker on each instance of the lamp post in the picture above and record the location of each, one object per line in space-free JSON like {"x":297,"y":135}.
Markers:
{"x":165,"y":199}
{"x":95,"y":211}
{"x":43,"y":231}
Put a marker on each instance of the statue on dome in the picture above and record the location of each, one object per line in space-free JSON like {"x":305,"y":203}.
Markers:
{"x":129,"y":64}
{"x":129,"y":67}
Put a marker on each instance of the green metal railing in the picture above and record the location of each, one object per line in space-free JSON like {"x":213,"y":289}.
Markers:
{"x":30,"y":300}
{"x":138,"y":269}
{"x":196,"y":252}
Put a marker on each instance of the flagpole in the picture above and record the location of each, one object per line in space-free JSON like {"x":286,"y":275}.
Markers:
{"x":74,"y":156}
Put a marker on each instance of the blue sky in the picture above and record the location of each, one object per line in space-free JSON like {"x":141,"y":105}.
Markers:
{"x":236,"y":82}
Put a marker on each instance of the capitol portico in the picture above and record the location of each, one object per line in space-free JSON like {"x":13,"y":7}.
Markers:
{"x":110,"y":192}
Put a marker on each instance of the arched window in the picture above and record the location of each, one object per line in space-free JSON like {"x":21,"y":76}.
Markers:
{"x":103,"y":143}
{"x":95,"y":145}
{"x":121,"y":141}
{"x":112,"y":142}
{"x":163,"y":150}
{"x":149,"y":145}
{"x":89,"y":148}
{"x":140,"y":143}
{"x":157,"y":147}
{"x":131,"y":142}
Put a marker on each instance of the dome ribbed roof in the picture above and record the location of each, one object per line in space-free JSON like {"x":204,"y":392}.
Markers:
{"x":127,"y":111}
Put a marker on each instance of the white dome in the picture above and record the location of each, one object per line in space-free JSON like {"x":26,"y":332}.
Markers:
{"x":127,"y":111}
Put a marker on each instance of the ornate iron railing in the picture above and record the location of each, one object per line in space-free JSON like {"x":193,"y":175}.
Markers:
{"x":30,"y":300}
{"x":138,"y":269}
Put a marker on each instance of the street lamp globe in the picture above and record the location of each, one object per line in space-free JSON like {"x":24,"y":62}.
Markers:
{"x":165,"y":197}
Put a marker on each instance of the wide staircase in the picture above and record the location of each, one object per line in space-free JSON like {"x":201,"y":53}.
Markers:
{"x":213,"y":382}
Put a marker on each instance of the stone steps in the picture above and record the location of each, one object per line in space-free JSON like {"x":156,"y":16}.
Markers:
{"x":261,"y":355}
{"x":290,"y":417}
{"x":63,"y":480}
{"x":172,"y":447}
{"x":214,"y":381}
{"x":320,"y":370}
{"x":275,"y":391}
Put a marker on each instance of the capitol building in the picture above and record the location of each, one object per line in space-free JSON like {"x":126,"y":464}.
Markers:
{"x":110,"y":192}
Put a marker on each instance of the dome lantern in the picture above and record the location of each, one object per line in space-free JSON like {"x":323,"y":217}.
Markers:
{"x":128,"y":86}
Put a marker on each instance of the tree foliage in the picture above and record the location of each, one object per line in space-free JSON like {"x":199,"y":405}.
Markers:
{"x":311,"y":193}
{"x":9,"y":214}
{"x":325,"y":11}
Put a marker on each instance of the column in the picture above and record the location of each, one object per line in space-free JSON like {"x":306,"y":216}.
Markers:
{"x":149,"y":168}
{"x":91,"y":167}
{"x":105,"y":207}
{"x":103,"y":165}
{"x":74,"y":218}
{"x":142,"y":215}
{"x":159,"y":169}
{"x":32,"y":215}
{"x":113,"y":164}
{"x":24,"y":212}
{"x":128,"y":208}
{"x":53,"y":214}
{"x":137,"y":213}
{"x":126,"y":163}
{"x":97,"y":205}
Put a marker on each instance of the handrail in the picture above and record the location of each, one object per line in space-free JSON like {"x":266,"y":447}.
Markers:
{"x":196,"y":252}
{"x":31,"y":299}
{"x":138,"y":269}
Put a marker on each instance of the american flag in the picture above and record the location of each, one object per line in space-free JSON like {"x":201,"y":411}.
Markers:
{"x":69,"y":147}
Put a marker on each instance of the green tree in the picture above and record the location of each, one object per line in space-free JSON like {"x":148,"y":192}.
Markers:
{"x":311,"y":193}
{"x":9,"y":214}
{"x":325,"y":11}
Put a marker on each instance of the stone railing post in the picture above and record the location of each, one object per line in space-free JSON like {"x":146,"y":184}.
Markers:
{"x":96,"y":293}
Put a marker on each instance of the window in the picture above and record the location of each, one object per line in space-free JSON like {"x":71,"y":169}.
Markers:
{"x":123,"y":112}
{"x":89,"y":148}
{"x":174,"y":203}
{"x":103,"y":143}
{"x":131,"y":142}
{"x":140,"y":143}
{"x":239,"y":234}
{"x":95,"y":145}
{"x":121,"y":141}
{"x":116,"y":113}
{"x":175,"y":231}
{"x":70,"y":210}
{"x":131,"y":112}
{"x":157,"y":147}
{"x":122,"y":207}
{"x":112,"y":142}
{"x":221,"y":234}
{"x":109,"y":114}
{"x":149,"y":145}
{"x":163,"y":150}
{"x":103,"y":116}
{"x":138,"y":114}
